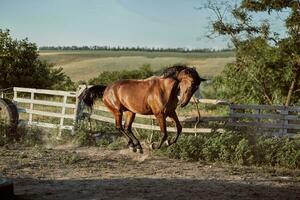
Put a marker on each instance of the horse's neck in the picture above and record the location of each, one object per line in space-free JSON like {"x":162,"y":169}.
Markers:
{"x":171,"y":87}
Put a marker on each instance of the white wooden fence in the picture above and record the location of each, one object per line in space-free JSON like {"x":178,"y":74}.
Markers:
{"x":32,"y":102}
{"x":152,"y":126}
{"x":78,"y":110}
{"x":277,"y":120}
{"x":280,"y":119}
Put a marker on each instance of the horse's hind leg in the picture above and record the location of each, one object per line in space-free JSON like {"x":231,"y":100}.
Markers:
{"x":118,"y":124}
{"x":129,"y":117}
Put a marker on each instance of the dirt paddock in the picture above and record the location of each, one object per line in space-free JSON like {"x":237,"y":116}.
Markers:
{"x":97,"y":173}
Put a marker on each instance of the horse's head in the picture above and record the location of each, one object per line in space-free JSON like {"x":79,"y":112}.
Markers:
{"x":189,"y":82}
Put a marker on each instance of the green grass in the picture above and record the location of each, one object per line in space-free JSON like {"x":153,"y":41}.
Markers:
{"x":237,"y":148}
{"x":84,"y":65}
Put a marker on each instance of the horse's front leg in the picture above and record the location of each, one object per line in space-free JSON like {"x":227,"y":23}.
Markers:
{"x":161,"y":118}
{"x":174,"y":117}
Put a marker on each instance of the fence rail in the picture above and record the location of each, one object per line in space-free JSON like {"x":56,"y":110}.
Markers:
{"x":153,"y":127}
{"x":78,"y":111}
{"x":278,"y":120}
{"x":32,"y":102}
{"x":181,"y":118}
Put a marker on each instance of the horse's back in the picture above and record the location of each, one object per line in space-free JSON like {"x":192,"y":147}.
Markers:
{"x":132,"y":94}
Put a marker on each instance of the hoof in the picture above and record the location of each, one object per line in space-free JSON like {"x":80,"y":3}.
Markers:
{"x":133,"y":149}
{"x":140,"y":151}
{"x":152,"y":146}
{"x":168,"y":143}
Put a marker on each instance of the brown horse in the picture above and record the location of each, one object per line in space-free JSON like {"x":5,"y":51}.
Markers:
{"x":157,"y":95}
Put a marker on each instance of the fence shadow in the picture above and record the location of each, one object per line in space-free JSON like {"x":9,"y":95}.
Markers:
{"x":149,"y":188}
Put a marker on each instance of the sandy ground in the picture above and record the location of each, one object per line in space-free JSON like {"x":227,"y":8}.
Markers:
{"x":97,"y":173}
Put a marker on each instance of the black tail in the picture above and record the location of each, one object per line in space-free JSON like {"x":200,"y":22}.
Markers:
{"x":89,"y":95}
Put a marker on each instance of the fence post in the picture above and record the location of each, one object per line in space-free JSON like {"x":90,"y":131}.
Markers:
{"x":15,"y":94}
{"x":257,"y":111}
{"x":31,"y":107}
{"x":231,"y":113}
{"x":15,"y":97}
{"x":63,"y":111}
{"x":78,"y":106}
{"x":284,"y":121}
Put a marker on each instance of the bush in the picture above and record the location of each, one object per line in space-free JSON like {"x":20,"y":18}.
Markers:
{"x":4,"y":133}
{"x":105,"y":136}
{"x":22,"y":135}
{"x":244,"y":153}
{"x":108,"y":77}
{"x":279,"y":152}
{"x":221,"y":147}
{"x":237,"y":148}
{"x":188,"y":148}
{"x":289,"y":154}
{"x":20,"y":66}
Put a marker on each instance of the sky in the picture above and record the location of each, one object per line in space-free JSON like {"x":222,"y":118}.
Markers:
{"x":144,"y":23}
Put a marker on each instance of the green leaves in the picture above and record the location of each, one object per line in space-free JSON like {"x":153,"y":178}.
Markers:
{"x":266,"y":69}
{"x":108,"y":77}
{"x":260,"y":75}
{"x":238,"y":148}
{"x":20,"y":66}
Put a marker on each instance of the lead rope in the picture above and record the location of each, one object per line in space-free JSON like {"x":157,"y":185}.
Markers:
{"x":198,"y":111}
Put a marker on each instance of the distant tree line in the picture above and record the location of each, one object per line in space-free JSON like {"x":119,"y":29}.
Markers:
{"x":137,"y":48}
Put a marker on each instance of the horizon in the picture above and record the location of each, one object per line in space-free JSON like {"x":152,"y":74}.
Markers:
{"x":158,"y":24}
{"x":128,"y":48}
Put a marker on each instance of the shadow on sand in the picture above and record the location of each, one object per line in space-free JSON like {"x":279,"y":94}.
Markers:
{"x":149,"y":188}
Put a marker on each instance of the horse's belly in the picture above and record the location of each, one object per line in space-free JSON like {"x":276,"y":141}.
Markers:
{"x":146,"y":113}
{"x":136,"y":105}
{"x":140,"y":109}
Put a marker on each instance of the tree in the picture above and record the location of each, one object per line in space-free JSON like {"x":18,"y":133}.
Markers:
{"x":20,"y":66}
{"x":267,"y":66}
{"x":108,"y":77}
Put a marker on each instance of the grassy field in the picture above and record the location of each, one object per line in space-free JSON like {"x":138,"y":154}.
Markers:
{"x":83,"y":65}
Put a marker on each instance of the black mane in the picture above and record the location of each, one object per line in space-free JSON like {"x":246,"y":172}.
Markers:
{"x":172,"y":72}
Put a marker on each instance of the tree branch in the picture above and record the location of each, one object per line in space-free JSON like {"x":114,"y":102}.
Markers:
{"x":293,"y":84}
